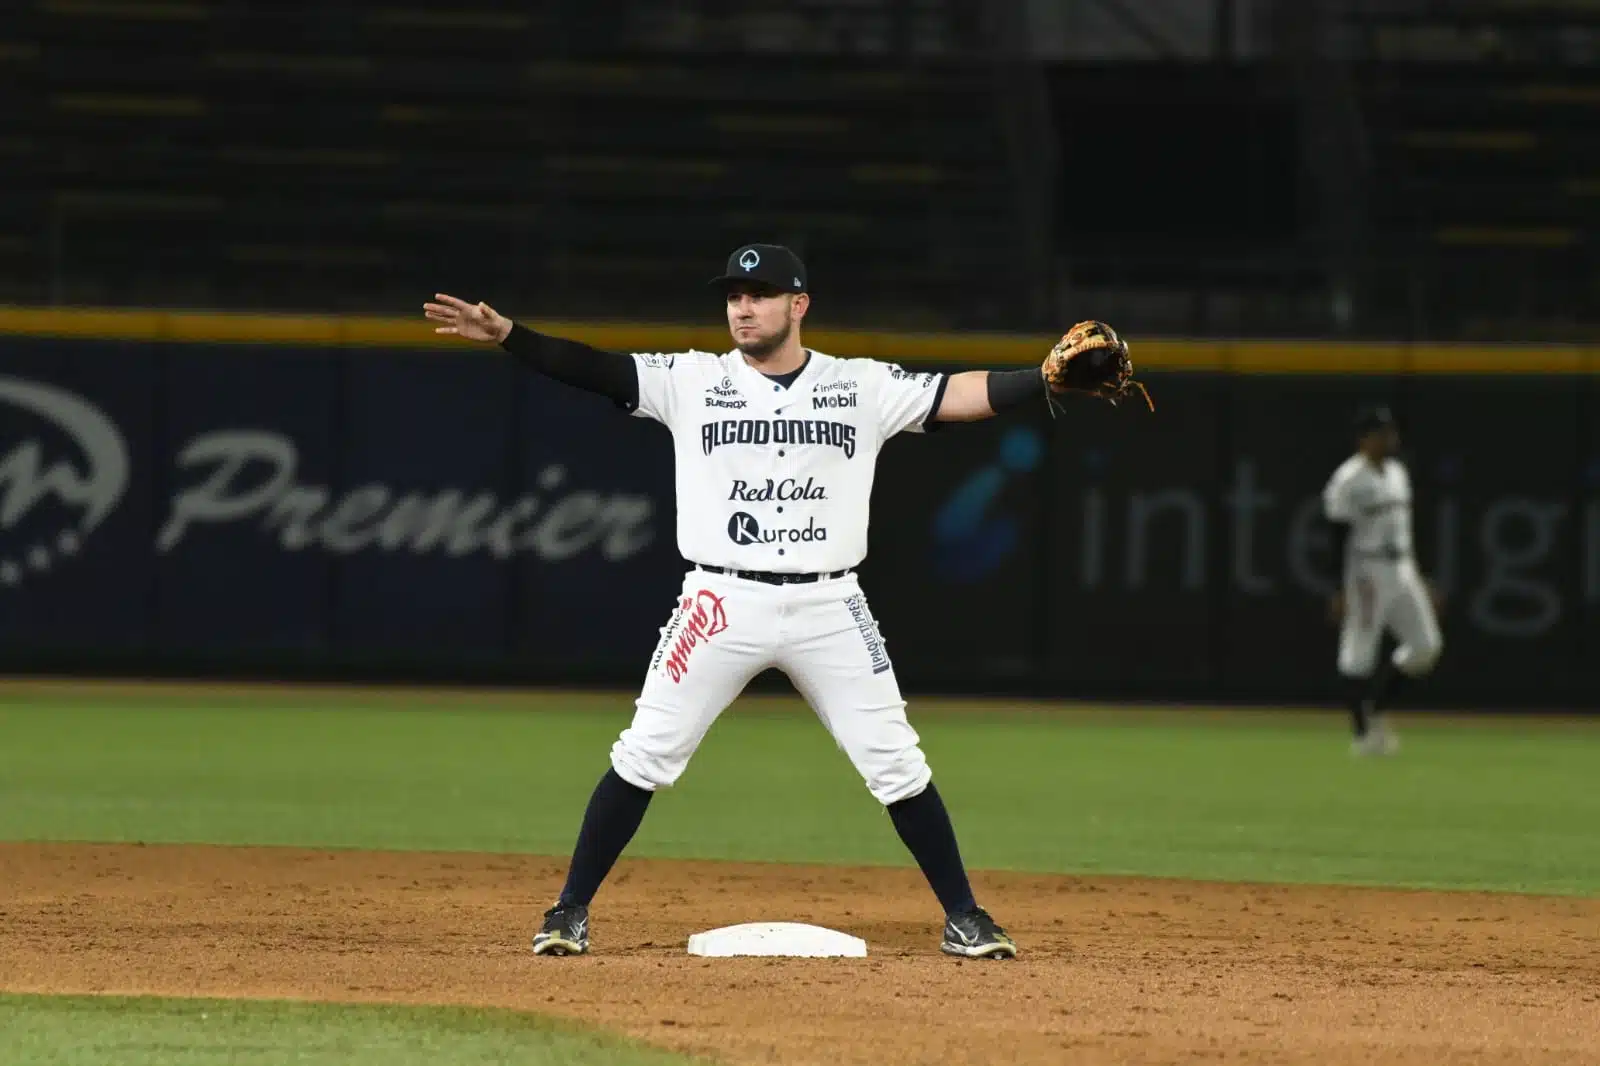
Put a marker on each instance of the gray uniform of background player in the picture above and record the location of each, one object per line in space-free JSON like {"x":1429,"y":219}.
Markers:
{"x":1369,"y":498}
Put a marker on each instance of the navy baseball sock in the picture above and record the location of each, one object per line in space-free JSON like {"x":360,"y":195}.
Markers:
{"x":1387,"y":685}
{"x":1358,"y":689}
{"x":613,"y":816}
{"x":924,"y":826}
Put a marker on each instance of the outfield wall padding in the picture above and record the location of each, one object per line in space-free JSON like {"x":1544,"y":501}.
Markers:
{"x":354,"y":510}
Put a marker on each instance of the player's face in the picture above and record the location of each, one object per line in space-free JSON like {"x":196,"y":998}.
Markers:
{"x":760,"y":320}
{"x":1381,"y":443}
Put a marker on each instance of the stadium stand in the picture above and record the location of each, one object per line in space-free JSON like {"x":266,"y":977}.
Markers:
{"x":295,"y":155}
{"x":1484,"y":126}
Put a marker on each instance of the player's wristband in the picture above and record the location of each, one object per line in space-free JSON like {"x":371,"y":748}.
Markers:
{"x":1013,"y":388}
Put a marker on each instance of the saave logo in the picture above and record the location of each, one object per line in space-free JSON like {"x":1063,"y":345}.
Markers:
{"x":970,"y":541}
{"x":725,"y":395}
{"x":48,"y":507}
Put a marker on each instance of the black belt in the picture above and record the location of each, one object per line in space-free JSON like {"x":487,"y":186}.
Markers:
{"x":772,"y":577}
{"x":1384,"y":553}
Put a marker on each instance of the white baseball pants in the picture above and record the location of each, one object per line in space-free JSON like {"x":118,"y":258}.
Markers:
{"x":1387,"y":594}
{"x":726,"y":630}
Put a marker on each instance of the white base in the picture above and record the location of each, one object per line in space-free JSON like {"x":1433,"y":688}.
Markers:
{"x":777,"y":938}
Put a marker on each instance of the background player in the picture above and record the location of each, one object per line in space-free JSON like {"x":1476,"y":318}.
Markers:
{"x":1368,"y":499}
{"x":775,"y":447}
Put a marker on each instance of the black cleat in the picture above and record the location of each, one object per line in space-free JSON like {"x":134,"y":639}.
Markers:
{"x":565,"y":931}
{"x":974,"y":935}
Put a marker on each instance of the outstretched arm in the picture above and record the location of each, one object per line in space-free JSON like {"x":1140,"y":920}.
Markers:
{"x":974,"y":395}
{"x":1090,"y":358}
{"x":607,"y":373}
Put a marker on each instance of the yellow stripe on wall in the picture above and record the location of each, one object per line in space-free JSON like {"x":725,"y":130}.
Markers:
{"x":1269,"y":357}
{"x":972,"y":349}
{"x":1467,"y":359}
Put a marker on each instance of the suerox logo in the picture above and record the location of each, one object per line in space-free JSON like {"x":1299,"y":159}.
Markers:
{"x":699,"y":618}
{"x":714,"y":435}
{"x":787,"y":489}
{"x":744,"y":529}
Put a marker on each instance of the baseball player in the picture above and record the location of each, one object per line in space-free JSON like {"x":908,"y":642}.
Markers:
{"x":775,"y":447}
{"x":1368,"y":499}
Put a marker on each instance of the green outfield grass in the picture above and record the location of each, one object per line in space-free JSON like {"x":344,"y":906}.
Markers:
{"x":115,"y":1031}
{"x":1247,"y":797}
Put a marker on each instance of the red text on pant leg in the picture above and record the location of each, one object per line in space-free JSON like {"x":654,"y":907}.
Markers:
{"x":701,"y":617}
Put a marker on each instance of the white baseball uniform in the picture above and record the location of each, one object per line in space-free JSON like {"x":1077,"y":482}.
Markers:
{"x":777,"y":480}
{"x":1383,"y":589}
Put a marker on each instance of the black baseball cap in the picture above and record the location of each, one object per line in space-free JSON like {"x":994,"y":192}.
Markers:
{"x":767,"y":264}
{"x":1371,"y":417}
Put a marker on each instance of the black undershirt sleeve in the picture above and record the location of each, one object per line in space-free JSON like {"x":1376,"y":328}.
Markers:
{"x":1013,"y":388}
{"x":1341,"y":540}
{"x":609,"y":374}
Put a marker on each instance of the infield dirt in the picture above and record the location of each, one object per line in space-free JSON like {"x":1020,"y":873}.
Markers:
{"x":1114,"y":970}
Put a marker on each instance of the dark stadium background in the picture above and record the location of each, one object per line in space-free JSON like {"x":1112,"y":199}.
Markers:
{"x":1288,"y":206}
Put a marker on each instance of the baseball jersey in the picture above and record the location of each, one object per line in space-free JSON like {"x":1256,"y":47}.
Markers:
{"x":1376,"y":501}
{"x":775,"y":478}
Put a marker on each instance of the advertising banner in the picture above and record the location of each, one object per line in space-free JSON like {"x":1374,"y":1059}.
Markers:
{"x":319,"y":506}
{"x":1137,"y":541}
{"x":1586,"y":491}
{"x":1183,"y":554}
{"x":78,"y":424}
{"x":1501,"y":522}
{"x":955,"y":555}
{"x":415,"y":512}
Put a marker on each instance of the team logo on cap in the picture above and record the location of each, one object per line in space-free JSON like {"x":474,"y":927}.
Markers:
{"x":750,"y":259}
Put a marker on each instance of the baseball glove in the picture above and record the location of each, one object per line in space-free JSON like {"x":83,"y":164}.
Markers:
{"x":1091,"y":358}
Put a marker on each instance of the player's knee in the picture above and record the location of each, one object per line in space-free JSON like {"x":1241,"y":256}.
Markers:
{"x":900,"y":777}
{"x":1356,"y":665}
{"x":1420,"y":658}
{"x":641,"y":767}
